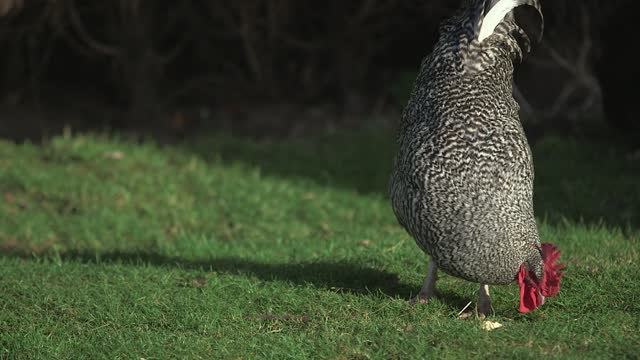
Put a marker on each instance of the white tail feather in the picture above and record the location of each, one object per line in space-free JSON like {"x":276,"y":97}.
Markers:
{"x":495,"y":15}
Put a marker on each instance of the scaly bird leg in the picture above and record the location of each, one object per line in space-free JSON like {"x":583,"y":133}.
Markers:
{"x":429,"y":286}
{"x":484,"y":301}
{"x":484,"y":304}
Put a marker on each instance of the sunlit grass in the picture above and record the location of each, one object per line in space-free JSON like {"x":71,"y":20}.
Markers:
{"x":225,"y":248}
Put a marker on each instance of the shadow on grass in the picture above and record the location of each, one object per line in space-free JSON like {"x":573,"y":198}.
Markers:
{"x":594,"y":181}
{"x":359,"y":161}
{"x":342,"y":277}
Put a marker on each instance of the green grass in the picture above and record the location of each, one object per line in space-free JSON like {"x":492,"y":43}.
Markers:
{"x":225,"y":248}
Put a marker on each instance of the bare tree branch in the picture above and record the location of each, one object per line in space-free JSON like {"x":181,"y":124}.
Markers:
{"x":576,"y":64}
{"x":173,"y":53}
{"x":248,"y":44}
{"x":84,"y":35}
{"x":525,"y":105}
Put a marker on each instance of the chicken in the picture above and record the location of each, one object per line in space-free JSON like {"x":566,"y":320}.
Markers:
{"x":462,"y":179}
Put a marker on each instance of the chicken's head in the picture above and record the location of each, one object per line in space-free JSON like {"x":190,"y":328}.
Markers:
{"x":533,"y":290}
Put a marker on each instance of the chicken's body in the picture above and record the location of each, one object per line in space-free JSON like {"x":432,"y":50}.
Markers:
{"x":462,"y":182}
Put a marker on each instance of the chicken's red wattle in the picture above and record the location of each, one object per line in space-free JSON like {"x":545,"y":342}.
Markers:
{"x":531,"y":291}
{"x":530,"y":297}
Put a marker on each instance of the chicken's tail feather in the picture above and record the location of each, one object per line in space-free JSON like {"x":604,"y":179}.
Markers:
{"x":495,"y":12}
{"x":514,"y":22}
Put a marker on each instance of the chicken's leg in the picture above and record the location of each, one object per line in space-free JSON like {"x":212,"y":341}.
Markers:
{"x":429,"y":286}
{"x":484,"y":301}
{"x":484,"y":304}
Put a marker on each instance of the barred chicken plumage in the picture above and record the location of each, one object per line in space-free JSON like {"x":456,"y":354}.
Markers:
{"x":462,"y":181}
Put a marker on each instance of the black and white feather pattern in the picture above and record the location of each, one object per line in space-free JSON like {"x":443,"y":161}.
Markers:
{"x":462,"y":182}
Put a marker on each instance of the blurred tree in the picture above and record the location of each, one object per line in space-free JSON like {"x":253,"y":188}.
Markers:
{"x":29,"y":37}
{"x":7,"y":6}
{"x":148,"y":55}
{"x":618,"y":71}
{"x":131,"y":33}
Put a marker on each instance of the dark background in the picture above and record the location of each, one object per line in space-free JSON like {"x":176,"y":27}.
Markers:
{"x":283,"y":67}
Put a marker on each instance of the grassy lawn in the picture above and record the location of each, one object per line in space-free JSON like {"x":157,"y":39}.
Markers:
{"x":224,"y":248}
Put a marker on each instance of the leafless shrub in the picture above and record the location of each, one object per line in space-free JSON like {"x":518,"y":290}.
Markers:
{"x":566,"y":59}
{"x":27,"y":47}
{"x":129,"y":37}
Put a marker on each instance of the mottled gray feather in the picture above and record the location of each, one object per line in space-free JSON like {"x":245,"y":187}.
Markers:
{"x":462,"y":182}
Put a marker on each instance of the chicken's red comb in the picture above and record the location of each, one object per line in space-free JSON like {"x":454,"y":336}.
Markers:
{"x":550,"y":284}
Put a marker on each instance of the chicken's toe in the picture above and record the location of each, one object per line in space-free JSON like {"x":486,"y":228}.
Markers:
{"x":470,"y":314}
{"x":420,"y":299}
